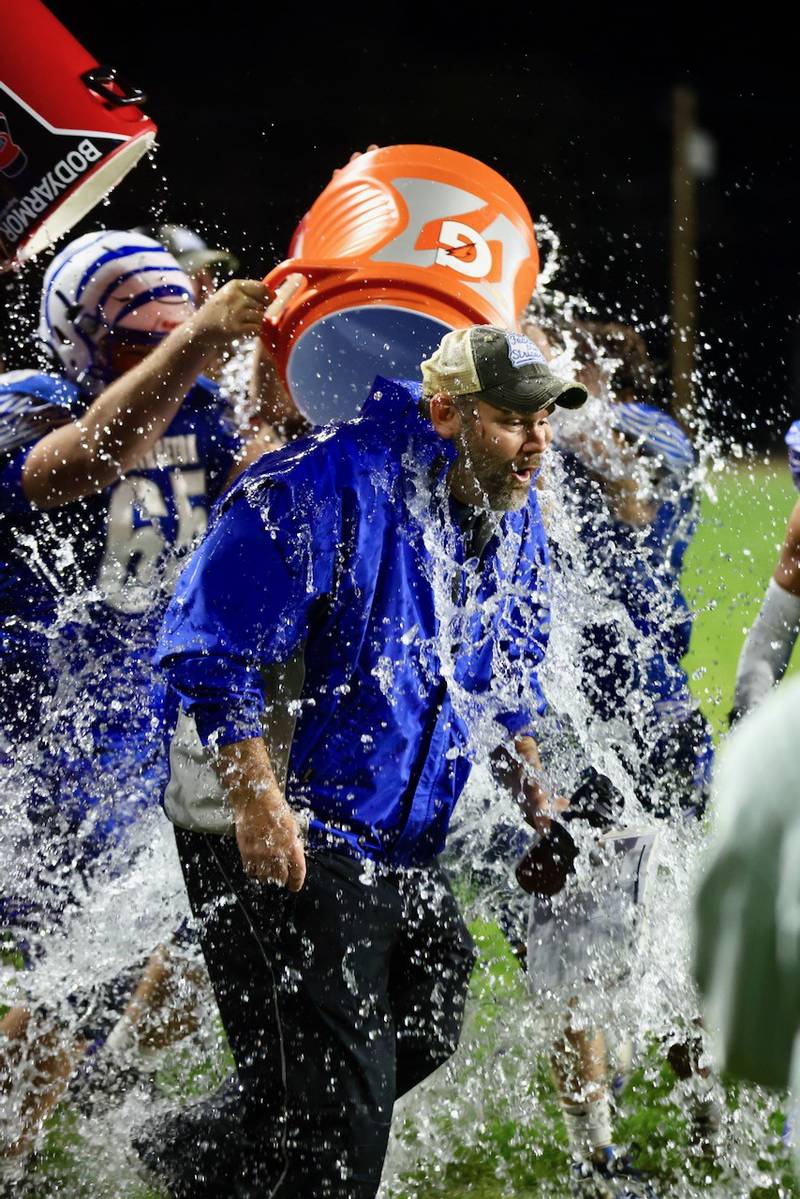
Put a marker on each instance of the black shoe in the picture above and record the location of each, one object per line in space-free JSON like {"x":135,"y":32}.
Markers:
{"x":193,"y":1153}
{"x":705,"y":1127}
{"x":611,"y":1176}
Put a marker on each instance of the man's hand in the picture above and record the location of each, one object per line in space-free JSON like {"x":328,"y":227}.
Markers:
{"x":267,"y":833}
{"x":236,"y":310}
{"x":356,"y":154}
{"x":535,"y":333}
{"x":269,"y":842}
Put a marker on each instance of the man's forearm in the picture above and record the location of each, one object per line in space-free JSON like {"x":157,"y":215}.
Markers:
{"x":246,"y":773}
{"x":268,"y":394}
{"x":520,"y":770}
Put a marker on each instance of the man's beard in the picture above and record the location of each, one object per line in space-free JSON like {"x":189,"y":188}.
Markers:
{"x":498,"y":488}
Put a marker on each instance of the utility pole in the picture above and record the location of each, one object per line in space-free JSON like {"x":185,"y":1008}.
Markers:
{"x":684,"y":253}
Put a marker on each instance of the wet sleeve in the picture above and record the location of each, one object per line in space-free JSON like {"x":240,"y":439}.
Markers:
{"x":243,"y":602}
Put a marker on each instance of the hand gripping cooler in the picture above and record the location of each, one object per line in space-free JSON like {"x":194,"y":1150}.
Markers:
{"x":403,"y":244}
{"x":70,"y":129}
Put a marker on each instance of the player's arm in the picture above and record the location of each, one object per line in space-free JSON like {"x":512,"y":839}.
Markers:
{"x":276,"y":419}
{"x":268,"y":395}
{"x":259,"y":438}
{"x":520,"y":770}
{"x":769,"y":644}
{"x":787,"y":572}
{"x":84,"y":456}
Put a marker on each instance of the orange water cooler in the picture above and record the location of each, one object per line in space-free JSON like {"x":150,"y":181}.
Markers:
{"x":403,"y":244}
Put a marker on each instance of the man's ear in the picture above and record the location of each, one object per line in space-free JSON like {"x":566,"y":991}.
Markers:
{"x":445,"y":417}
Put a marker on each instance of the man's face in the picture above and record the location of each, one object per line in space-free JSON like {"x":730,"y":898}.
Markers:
{"x":118,"y":355}
{"x":500,"y":451}
{"x":631,"y":483}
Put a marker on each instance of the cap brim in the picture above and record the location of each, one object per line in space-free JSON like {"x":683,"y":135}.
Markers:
{"x":531,"y":395}
{"x":195,"y":260}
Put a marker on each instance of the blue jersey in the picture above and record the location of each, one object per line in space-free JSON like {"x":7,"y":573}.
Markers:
{"x":345,"y":546}
{"x":632,"y":569}
{"x":83,"y":588}
{"x":631,"y":668}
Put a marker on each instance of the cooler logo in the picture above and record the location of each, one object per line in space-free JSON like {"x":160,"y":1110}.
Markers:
{"x":465,"y":242}
{"x":12,"y":158}
{"x":463,"y":250}
{"x":33,"y":178}
{"x":522,"y":351}
{"x":460,"y":245}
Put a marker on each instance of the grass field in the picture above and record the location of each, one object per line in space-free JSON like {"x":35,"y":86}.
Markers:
{"x":504,"y":1138}
{"x":728,"y":565}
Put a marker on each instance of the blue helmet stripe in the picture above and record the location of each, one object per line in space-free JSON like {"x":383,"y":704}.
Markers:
{"x":793,"y":442}
{"x":109,"y":256}
{"x":792,"y":438}
{"x":155,"y":293}
{"x":161,"y":270}
{"x":67,"y":259}
{"x":661,"y":434}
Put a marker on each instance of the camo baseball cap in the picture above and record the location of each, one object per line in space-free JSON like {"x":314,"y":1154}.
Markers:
{"x":506,"y":369}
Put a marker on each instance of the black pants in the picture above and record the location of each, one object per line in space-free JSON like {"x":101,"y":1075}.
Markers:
{"x":335,"y":1001}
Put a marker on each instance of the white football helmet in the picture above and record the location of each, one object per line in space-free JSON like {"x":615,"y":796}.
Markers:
{"x":104,"y":283}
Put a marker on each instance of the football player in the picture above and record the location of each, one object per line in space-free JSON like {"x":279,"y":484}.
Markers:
{"x":108,"y":467}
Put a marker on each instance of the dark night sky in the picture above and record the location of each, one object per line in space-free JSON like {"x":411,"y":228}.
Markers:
{"x":255,"y":111}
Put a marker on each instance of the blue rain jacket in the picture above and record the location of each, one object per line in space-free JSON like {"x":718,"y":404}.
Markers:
{"x":347,"y":543}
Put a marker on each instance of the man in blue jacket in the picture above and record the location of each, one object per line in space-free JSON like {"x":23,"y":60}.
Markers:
{"x":383,"y":581}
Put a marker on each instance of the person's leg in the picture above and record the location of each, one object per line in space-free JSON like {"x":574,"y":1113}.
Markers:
{"x":580,"y":1072}
{"x":430,"y":972}
{"x":37,"y":1052}
{"x":300,"y":981}
{"x":144,"y":1009}
{"x":163,"y":1007}
{"x":561,"y":949}
{"x":47,"y":1057}
{"x":690,"y":1063}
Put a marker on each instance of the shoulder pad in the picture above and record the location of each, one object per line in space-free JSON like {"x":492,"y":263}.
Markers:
{"x":31,"y":403}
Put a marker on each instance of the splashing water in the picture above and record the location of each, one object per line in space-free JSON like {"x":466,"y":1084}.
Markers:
{"x":491,"y":1110}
